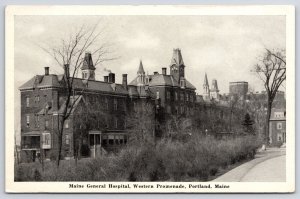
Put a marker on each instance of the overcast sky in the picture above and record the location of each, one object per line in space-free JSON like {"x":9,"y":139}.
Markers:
{"x":225,"y":47}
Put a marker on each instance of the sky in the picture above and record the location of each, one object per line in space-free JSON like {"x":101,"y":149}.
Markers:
{"x":224,"y":47}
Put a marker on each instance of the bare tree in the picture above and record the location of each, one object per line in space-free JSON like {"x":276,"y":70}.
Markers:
{"x":89,"y":115}
{"x":141,"y":123}
{"x":271,"y":69}
{"x":69,"y":55}
{"x":178,"y":127}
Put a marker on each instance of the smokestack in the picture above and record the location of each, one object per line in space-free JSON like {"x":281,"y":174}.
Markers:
{"x":46,"y":70}
{"x":111,"y":77}
{"x":124,"y":81}
{"x":164,"y":71}
{"x":155,"y":73}
{"x":105,"y":78}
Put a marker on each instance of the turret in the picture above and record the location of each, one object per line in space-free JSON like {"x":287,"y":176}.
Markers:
{"x":177,"y":65}
{"x":206,"y":91}
{"x":214,"y":91}
{"x":141,"y":75}
{"x":88,"y":68}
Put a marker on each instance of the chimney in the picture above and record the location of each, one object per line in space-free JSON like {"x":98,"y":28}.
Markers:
{"x":124,"y":81}
{"x":46,"y":70}
{"x":164,"y":71}
{"x":67,"y":70}
{"x":105,"y":78}
{"x":111,"y":77}
{"x":155,"y":73}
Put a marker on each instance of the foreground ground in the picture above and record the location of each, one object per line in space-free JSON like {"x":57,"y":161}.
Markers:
{"x":268,"y":166}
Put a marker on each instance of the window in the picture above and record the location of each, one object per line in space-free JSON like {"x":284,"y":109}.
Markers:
{"x":46,"y":140}
{"x":106,"y":122}
{"x":116,"y":123}
{"x":176,"y":96}
{"x":168,"y":109}
{"x":27,"y":120}
{"x":37,"y":99}
{"x":182,"y":96}
{"x":182,"y":109}
{"x":115,"y":104}
{"x":37,"y":120}
{"x":279,"y":125}
{"x":67,"y":139}
{"x":191,"y":98}
{"x":46,"y":123}
{"x":157,"y":94}
{"x":182,"y":83}
{"x":27,"y":101}
{"x":187,"y":97}
{"x":168,"y":95}
{"x":66,"y":124}
{"x":106,"y":103}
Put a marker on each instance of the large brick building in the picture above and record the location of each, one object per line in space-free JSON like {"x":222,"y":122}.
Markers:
{"x":100,"y":107}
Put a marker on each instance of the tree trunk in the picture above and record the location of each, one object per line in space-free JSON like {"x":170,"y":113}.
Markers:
{"x":267,"y":133}
{"x":60,"y":136}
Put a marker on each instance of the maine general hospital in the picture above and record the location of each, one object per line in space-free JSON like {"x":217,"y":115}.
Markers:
{"x":43,"y":99}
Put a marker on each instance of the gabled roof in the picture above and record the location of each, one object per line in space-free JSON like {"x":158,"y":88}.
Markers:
{"x":88,"y":62}
{"x":74,"y":99}
{"x":177,"y":58}
{"x":45,"y":109}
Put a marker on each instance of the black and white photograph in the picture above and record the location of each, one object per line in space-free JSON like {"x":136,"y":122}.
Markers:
{"x":150,"y":99}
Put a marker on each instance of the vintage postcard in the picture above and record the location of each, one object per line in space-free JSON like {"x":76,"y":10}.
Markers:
{"x":150,"y":99}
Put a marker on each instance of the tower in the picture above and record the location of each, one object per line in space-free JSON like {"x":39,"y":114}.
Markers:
{"x":88,"y":68}
{"x":214,"y":91}
{"x":141,"y":75}
{"x":206,"y":91}
{"x":177,"y":66}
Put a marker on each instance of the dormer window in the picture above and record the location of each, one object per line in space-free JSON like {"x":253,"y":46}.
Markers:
{"x":182,"y":83}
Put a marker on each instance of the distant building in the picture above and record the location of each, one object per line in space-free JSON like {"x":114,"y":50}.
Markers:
{"x":210,"y":93}
{"x":277,"y":125}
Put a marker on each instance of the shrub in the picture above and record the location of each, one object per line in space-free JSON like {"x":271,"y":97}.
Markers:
{"x":195,"y":159}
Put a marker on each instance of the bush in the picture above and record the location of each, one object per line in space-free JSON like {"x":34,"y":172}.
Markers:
{"x":195,"y":159}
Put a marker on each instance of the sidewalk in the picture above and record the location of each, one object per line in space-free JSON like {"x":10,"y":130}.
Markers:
{"x":243,"y":172}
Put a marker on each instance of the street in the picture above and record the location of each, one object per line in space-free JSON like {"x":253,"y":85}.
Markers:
{"x":268,"y":166}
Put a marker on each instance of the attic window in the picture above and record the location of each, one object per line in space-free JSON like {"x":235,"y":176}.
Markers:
{"x":182,"y":83}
